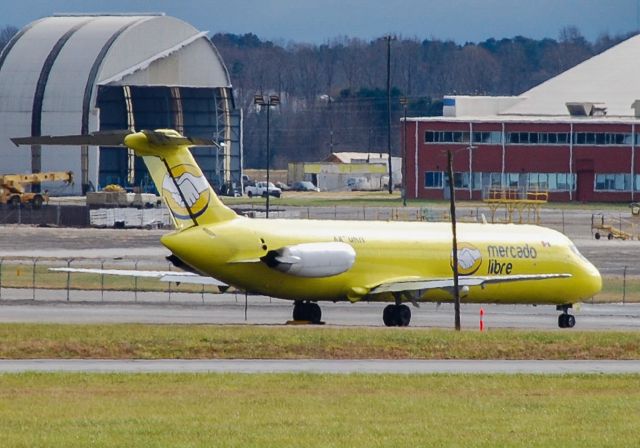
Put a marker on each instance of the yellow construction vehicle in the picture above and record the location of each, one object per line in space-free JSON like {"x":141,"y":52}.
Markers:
{"x":13,"y":187}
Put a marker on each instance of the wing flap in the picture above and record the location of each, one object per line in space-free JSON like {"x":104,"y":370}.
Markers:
{"x":444,"y":283}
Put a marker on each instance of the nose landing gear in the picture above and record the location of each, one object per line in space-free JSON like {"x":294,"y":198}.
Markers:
{"x":565,"y":320}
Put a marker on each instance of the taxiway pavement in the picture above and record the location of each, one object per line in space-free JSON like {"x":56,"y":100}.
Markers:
{"x":348,"y":366}
{"x":224,"y":309}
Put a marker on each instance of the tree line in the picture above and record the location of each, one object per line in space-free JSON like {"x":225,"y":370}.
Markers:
{"x":334,"y":94}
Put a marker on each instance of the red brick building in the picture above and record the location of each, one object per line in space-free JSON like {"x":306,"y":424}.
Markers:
{"x":574,"y":136}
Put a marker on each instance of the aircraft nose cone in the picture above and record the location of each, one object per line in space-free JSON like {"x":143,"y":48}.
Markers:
{"x":591,"y":280}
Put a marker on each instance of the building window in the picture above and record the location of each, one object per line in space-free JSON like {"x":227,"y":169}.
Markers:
{"x":461,"y":180}
{"x":446,"y":137}
{"x":487,"y":138}
{"x":433,"y":179}
{"x":613,"y":182}
{"x":535,"y":138}
{"x":602,"y":138}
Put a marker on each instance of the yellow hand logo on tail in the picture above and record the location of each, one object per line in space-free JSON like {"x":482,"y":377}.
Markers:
{"x":187,"y":190}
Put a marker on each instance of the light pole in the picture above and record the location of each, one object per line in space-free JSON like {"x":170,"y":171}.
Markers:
{"x":404,"y":101}
{"x":389,"y":38}
{"x":271,"y":101}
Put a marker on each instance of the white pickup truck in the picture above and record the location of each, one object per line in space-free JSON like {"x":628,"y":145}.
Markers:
{"x":260,"y":189}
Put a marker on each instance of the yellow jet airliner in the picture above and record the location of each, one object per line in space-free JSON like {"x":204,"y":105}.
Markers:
{"x":309,"y":261}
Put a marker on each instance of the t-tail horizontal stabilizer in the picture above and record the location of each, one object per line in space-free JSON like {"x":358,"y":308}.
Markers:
{"x":176,"y":174}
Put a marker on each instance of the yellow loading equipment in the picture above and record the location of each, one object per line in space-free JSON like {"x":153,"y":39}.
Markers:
{"x":13,"y":187}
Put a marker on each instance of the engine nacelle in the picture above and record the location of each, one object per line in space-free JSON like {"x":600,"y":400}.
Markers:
{"x":312,"y":259}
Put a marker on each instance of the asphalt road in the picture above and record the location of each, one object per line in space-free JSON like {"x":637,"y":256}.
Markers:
{"x":346,"y":366}
{"x":260,"y":310}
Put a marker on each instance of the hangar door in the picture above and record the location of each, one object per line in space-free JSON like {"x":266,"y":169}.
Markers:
{"x":197,"y":112}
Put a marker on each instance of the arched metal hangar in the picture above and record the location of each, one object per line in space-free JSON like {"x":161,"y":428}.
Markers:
{"x":73,"y":74}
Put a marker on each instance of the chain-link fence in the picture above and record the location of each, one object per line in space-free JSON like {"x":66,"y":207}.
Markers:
{"x":32,"y":279}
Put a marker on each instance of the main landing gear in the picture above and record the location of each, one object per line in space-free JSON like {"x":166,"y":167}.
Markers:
{"x":565,"y":320}
{"x":396,"y":315}
{"x":308,"y":311}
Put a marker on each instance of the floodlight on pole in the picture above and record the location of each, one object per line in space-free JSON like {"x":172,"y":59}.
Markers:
{"x":270,"y":101}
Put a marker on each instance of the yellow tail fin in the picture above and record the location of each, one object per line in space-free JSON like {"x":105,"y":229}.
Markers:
{"x":179,"y":179}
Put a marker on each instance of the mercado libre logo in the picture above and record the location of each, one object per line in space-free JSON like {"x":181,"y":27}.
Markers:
{"x":194,"y":188}
{"x":469,"y":259}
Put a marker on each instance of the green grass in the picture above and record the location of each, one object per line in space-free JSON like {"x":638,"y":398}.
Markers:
{"x":296,"y":410}
{"x":259,"y":342}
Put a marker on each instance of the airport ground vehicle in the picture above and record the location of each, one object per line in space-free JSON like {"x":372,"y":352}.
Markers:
{"x":305,"y":185}
{"x":260,"y":189}
{"x":13,"y":187}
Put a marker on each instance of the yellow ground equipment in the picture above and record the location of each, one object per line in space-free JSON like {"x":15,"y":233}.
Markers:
{"x":513,"y":200}
{"x":13,"y":187}
{"x":601,"y":229}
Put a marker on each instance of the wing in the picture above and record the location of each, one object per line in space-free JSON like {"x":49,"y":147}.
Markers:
{"x":418,"y":284}
{"x":163,"y":276}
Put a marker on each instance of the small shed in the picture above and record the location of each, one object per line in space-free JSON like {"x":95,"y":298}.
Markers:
{"x":343,"y":171}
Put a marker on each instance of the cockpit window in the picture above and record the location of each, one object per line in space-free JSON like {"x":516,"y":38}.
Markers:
{"x":575,"y":250}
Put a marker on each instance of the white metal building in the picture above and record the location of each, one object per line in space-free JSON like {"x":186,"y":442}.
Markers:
{"x":75,"y":74}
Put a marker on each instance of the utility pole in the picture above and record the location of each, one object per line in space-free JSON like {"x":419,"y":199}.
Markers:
{"x":456,"y":290}
{"x":389,"y":38}
{"x":404,"y":101}
{"x":269,"y":102}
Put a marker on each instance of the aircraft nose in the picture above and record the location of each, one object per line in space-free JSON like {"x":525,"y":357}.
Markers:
{"x":591,"y":280}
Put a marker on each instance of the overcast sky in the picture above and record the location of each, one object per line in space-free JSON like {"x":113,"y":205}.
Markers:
{"x":317,"y":21}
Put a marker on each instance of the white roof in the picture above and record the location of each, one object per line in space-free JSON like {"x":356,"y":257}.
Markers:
{"x":50,"y":72}
{"x":610,"y":78}
{"x":349,"y":157}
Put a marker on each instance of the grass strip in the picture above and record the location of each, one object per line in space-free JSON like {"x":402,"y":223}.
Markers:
{"x":292,"y":410}
{"x":129,"y":341}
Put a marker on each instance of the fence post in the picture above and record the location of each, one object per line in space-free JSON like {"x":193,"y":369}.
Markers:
{"x":1,"y":261}
{"x":33,"y":278}
{"x":170,"y":269}
{"x":135,"y":283}
{"x":68,"y":278}
{"x":102,"y":281}
{"x":624,"y":285}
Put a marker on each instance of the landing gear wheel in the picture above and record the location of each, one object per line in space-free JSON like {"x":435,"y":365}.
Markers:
{"x":566,"y":320}
{"x":396,"y":316}
{"x":570,"y":321}
{"x":562,"y":320}
{"x":389,"y":316}
{"x":314,"y":313}
{"x":307,"y":311}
